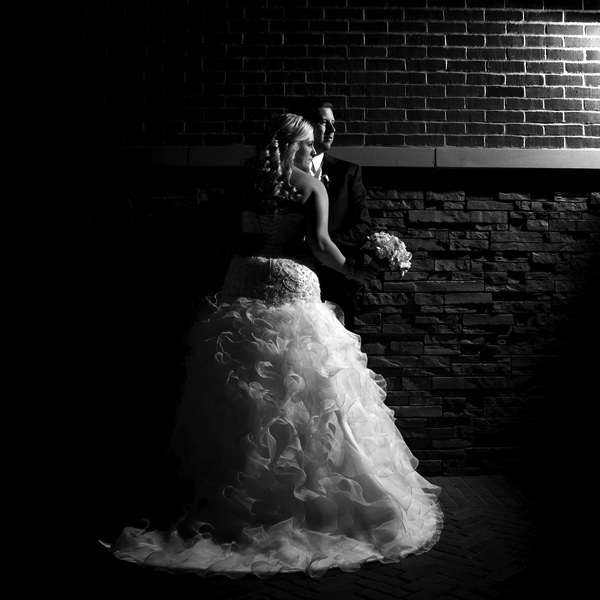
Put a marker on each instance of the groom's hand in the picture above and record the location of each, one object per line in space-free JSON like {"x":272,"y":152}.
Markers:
{"x":363,"y":276}
{"x":374,"y":267}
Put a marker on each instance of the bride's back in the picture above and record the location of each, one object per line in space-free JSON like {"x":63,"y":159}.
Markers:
{"x":273,"y":262}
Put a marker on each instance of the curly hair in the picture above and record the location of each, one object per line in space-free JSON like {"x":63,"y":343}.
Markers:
{"x":273,"y":159}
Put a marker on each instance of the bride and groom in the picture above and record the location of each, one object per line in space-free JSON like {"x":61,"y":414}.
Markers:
{"x":290,"y":459}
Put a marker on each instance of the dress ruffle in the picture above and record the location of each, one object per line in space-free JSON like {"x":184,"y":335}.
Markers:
{"x":294,"y":461}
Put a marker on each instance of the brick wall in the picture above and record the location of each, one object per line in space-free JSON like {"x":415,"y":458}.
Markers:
{"x":475,"y":73}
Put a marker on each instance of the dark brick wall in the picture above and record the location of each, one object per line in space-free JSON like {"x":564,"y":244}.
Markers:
{"x":474,"y":73}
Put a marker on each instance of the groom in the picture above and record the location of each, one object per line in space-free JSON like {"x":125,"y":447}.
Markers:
{"x":349,"y":221}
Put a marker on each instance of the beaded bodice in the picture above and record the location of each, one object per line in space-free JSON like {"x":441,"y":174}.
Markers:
{"x":275,"y":281}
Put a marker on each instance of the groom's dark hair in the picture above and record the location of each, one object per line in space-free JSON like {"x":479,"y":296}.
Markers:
{"x":308,"y":106}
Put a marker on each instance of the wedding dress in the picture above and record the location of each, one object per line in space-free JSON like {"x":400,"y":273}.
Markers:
{"x":293,"y":459}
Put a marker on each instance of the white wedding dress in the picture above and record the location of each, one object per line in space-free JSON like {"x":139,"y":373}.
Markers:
{"x":293,"y":460}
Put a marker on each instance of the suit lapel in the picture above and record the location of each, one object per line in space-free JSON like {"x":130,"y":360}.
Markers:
{"x":336,"y":190}
{"x":328,"y":164}
{"x":328,"y":167}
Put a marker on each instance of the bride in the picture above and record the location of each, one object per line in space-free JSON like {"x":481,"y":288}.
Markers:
{"x":290,"y":459}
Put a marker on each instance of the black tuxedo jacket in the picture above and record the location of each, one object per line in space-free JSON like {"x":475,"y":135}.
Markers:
{"x":349,"y":221}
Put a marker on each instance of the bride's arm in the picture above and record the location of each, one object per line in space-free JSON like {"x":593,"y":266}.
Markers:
{"x":317,"y":235}
{"x":320,"y":243}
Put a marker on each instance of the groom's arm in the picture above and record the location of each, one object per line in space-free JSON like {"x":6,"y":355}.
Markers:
{"x":357,"y":223}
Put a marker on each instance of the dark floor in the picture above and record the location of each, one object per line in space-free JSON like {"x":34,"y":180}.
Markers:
{"x":490,"y":548}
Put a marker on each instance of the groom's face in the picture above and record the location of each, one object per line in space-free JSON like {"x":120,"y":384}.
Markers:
{"x":324,"y":130}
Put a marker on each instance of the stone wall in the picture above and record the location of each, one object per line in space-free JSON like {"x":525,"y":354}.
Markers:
{"x":473,"y":340}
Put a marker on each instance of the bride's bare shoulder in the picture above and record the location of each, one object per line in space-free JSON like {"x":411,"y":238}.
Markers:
{"x":305,"y":182}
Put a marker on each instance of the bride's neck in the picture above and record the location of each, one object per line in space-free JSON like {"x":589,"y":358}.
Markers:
{"x":296,"y":170}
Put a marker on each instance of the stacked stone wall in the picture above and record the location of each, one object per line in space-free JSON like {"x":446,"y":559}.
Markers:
{"x":486,"y":344}
{"x":473,"y":340}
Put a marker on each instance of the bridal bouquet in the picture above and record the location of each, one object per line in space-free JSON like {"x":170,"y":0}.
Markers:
{"x":390,"y":250}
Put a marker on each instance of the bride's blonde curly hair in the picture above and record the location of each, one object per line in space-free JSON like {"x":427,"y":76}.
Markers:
{"x":273,"y":159}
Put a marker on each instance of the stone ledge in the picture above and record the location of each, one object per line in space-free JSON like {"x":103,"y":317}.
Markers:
{"x":517,"y":158}
{"x":374,"y":156}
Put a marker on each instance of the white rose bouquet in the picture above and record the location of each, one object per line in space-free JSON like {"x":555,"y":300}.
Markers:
{"x":383,"y":246}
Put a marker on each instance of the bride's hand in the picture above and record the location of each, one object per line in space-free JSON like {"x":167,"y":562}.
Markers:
{"x":375,"y":266}
{"x":363,"y":276}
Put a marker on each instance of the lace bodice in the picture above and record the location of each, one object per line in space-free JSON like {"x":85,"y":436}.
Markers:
{"x":275,"y":273}
{"x":280,"y":231}
{"x":275,"y":281}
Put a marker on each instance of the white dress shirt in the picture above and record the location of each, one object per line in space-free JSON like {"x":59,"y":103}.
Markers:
{"x":315,"y":167}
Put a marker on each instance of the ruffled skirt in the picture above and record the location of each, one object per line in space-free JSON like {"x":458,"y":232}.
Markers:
{"x":292,"y":460}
